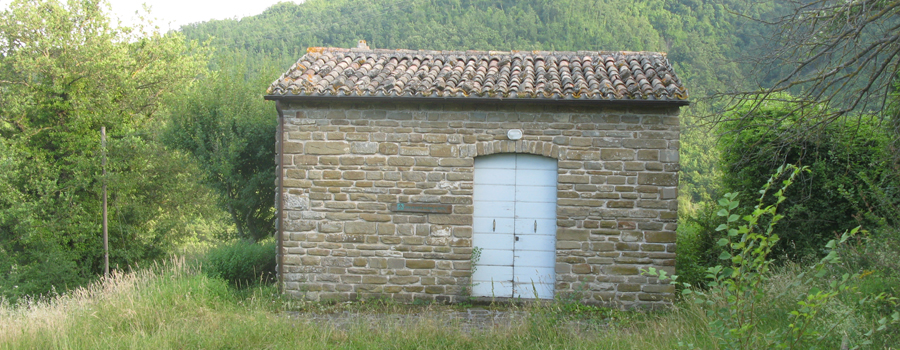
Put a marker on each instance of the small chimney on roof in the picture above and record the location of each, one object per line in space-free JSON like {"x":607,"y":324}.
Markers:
{"x":362,"y":45}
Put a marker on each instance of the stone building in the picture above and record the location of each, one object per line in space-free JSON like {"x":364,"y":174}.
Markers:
{"x":442,"y":175}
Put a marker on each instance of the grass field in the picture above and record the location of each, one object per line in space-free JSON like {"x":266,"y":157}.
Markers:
{"x":175,"y":306}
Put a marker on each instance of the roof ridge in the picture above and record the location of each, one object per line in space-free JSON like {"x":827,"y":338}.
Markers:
{"x":526,"y":75}
{"x":321,"y":49}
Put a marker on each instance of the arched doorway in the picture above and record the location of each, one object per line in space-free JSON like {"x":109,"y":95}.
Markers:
{"x":515,"y":226}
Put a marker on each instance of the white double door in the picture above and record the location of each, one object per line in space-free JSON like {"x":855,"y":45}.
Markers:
{"x":515,"y":226}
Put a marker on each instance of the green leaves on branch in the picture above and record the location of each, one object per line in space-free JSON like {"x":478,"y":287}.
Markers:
{"x":833,"y":196}
{"x":64,"y":73}
{"x":737,"y":295}
{"x":224,"y":123}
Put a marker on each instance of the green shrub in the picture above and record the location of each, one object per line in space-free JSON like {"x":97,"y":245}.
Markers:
{"x":874,"y":257}
{"x":697,"y":250}
{"x":691,"y":247}
{"x":848,"y":162}
{"x":242,"y":263}
{"x":740,"y":303}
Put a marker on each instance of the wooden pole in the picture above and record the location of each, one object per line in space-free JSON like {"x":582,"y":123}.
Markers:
{"x":105,"y":225}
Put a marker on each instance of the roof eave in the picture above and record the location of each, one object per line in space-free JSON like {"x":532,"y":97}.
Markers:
{"x":560,"y":101}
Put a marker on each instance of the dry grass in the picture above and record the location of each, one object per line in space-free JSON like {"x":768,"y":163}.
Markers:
{"x":174,"y":306}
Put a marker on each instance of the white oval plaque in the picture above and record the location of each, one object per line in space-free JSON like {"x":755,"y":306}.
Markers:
{"x":514,"y":134}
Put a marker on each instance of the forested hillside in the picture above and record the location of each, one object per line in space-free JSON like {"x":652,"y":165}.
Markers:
{"x":703,"y":38}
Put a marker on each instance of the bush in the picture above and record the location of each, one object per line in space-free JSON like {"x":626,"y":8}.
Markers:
{"x":697,"y":250}
{"x":242,"y":263}
{"x":847,"y":160}
{"x":874,"y":256}
{"x":689,"y":262}
{"x":740,"y":301}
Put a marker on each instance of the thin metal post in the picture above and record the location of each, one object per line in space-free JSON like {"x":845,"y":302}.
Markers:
{"x":105,"y":225}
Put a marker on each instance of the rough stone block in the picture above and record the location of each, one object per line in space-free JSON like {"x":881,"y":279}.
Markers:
{"x":658,"y":179}
{"x":648,"y":154}
{"x":413,"y":151}
{"x":401,"y":161}
{"x":434,"y":289}
{"x":617,"y":154}
{"x":616,"y":180}
{"x":572,"y":235}
{"x":581,"y":155}
{"x":293,"y":147}
{"x":632,"y":236}
{"x":653,"y":204}
{"x":441,"y":151}
{"x":419,"y":264}
{"x":581,"y":269}
{"x":668,"y":156}
{"x":580,"y":141}
{"x":374,"y":279}
{"x":655,"y":297}
{"x":449,"y":219}
{"x":645,"y":144}
{"x":364,"y":147}
{"x":353,"y":228}
{"x":330,"y":227}
{"x":620,"y":204}
{"x":668,"y":193}
{"x":576,"y":179}
{"x":375,"y":217}
{"x":603,"y":246}
{"x":404,"y":279}
{"x":388,"y":148}
{"x":321,"y":148}
{"x":458,"y":162}
{"x":295,"y":202}
{"x":660,"y":237}
{"x":628,"y":287}
{"x":621,"y":270}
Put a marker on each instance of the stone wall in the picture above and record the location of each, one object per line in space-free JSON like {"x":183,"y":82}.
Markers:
{"x":345,"y":163}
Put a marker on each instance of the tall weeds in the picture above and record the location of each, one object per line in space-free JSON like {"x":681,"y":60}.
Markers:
{"x":174,"y":306}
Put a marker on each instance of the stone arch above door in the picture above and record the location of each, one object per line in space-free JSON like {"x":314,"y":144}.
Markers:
{"x":541,"y":148}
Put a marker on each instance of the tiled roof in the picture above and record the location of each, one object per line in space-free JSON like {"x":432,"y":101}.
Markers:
{"x":532,"y":75}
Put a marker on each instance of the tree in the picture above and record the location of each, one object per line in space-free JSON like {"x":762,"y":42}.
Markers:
{"x":226,"y":125}
{"x":65,"y":71}
{"x":836,"y":58}
{"x":828,"y":199}
{"x":824,"y":98}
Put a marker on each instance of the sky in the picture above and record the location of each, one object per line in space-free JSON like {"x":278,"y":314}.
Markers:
{"x":172,"y":14}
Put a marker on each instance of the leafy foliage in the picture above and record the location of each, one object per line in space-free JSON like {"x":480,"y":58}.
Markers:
{"x":64,"y":73}
{"x":837,"y":54}
{"x":242,"y":263}
{"x":225,"y":124}
{"x":832,"y":197}
{"x":736,"y":300}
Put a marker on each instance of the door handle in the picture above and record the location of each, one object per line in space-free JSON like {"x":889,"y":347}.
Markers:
{"x":495,"y":226}
{"x":535,"y":226}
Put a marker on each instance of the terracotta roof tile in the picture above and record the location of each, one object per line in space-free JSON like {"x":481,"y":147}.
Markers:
{"x":582,"y":75}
